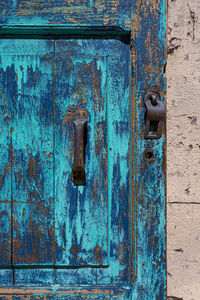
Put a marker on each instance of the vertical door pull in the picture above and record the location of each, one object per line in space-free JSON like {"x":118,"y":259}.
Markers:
{"x":78,"y":116}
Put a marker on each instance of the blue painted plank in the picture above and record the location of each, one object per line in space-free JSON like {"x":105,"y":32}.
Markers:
{"x":67,"y":297}
{"x":23,"y":92}
{"x":5,"y":170}
{"x":148,"y":73}
{"x":5,"y":177}
{"x":5,"y":234}
{"x":9,"y":90}
{"x":111,"y":293}
{"x":81,"y":214}
{"x":76,"y":277}
{"x":119,"y":162}
{"x":71,"y":13}
{"x":118,"y":126}
{"x":34,"y":277}
{"x":6,"y":277}
{"x":32,"y":150}
{"x":15,"y":46}
{"x":14,"y":59}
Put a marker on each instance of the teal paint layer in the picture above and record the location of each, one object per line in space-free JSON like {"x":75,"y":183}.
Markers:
{"x":83,"y":231}
{"x":76,"y":13}
{"x":148,"y":68}
{"x":81,"y":216}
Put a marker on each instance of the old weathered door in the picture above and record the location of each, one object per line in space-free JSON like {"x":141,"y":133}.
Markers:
{"x":82,"y":191}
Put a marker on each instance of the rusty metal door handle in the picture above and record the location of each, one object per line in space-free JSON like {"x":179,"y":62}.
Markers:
{"x":78,"y":168}
{"x":155,"y":113}
{"x":78,"y":116}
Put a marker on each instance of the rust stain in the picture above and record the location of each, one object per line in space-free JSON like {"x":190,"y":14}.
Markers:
{"x":11,"y":152}
{"x":19,"y":177}
{"x":73,"y":113}
{"x":24,"y":212}
{"x":153,"y":5}
{"x":99,"y":255}
{"x":136,"y":23}
{"x":49,"y":155}
{"x":6,"y":169}
{"x":32,"y":167}
{"x":75,"y":251}
{"x":2,"y":177}
{"x":11,"y":129}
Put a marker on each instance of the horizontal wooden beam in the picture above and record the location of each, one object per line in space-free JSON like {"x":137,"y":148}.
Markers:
{"x":64,"y":31}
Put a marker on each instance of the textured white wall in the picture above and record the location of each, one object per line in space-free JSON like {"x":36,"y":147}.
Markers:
{"x":183,"y":164}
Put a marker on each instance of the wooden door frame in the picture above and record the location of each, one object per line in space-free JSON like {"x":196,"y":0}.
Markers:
{"x":148,"y":66}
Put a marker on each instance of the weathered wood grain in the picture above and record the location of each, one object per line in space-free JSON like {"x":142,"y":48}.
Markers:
{"x":100,"y":295}
{"x":119,"y":145}
{"x":32,"y":150}
{"x":5,"y":234}
{"x":93,"y":66}
{"x":5,"y":178}
{"x":81,"y":213}
{"x":73,"y":13}
{"x":25,"y":95}
{"x":135,"y":189}
{"x":91,"y":222}
{"x":149,"y":59}
{"x":69,"y":293}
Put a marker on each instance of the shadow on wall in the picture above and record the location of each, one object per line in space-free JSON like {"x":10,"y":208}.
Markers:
{"x":174,"y":298}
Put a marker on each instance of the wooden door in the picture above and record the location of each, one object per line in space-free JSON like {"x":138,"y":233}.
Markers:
{"x":104,"y":238}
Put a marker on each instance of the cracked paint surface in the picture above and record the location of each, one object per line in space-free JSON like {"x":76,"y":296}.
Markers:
{"x":110,"y":238}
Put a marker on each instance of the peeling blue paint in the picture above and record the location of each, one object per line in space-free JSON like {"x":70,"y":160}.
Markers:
{"x":87,"y":232}
{"x":84,"y":13}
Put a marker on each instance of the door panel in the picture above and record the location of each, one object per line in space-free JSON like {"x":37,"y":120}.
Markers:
{"x":50,"y":221}
{"x":32,"y":175}
{"x":81,"y":212}
{"x":27,"y":88}
{"x":98,"y":79}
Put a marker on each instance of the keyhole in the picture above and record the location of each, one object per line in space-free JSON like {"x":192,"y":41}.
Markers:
{"x":149,"y":156}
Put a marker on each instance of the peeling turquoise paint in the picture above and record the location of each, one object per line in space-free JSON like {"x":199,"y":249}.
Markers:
{"x":84,"y":13}
{"x":82,"y":221}
{"x":108,"y":237}
{"x":150,"y":178}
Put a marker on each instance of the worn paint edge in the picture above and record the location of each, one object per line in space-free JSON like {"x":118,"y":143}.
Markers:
{"x":112,"y":290}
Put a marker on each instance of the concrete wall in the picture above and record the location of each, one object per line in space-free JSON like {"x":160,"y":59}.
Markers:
{"x":183,"y":165}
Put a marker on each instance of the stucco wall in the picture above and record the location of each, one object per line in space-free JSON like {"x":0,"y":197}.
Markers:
{"x":183,"y":164}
